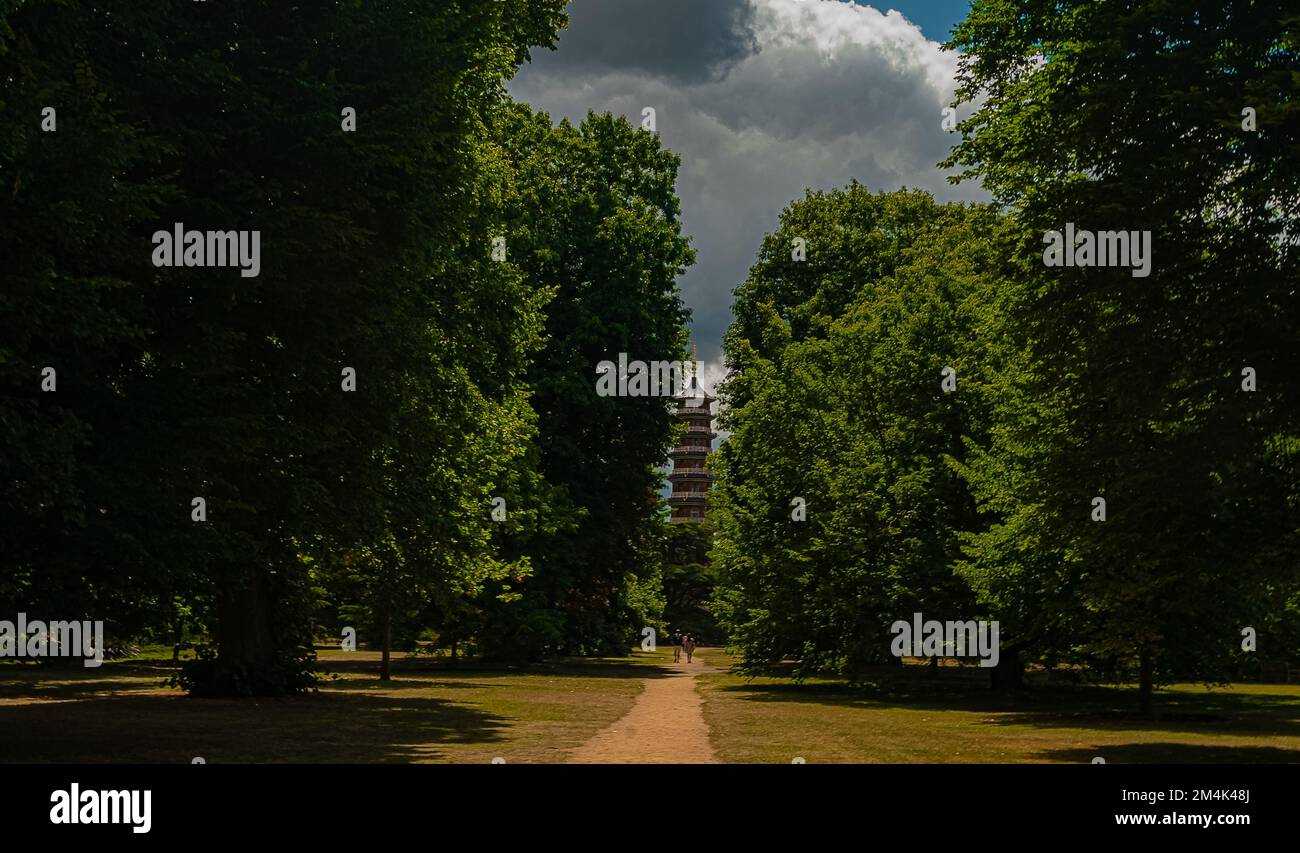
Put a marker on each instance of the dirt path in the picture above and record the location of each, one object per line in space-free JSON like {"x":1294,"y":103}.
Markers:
{"x":665,"y":726}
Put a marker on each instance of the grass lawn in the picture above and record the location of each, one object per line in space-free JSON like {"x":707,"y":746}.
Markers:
{"x":429,"y":712}
{"x":951,"y":716}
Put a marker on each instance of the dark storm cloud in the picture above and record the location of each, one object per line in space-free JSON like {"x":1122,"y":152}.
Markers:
{"x":683,"y":40}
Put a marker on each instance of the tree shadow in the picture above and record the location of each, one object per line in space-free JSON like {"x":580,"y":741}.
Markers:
{"x":328,"y":727}
{"x":1102,"y":708}
{"x":1212,"y":713}
{"x":65,"y":684}
{"x":121,"y":713}
{"x":575,"y":667}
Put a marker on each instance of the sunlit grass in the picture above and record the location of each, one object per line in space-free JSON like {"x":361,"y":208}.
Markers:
{"x":947,"y":717}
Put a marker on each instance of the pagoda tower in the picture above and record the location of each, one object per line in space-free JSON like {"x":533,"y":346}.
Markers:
{"x":690,"y":482}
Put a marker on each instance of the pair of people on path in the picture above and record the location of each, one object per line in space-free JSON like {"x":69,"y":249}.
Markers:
{"x":683,"y":641}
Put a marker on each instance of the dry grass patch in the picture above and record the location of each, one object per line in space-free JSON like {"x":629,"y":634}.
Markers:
{"x":429,"y":712}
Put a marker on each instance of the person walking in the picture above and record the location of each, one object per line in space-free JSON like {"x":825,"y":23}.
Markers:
{"x":677,"y":646}
{"x":689,"y":645}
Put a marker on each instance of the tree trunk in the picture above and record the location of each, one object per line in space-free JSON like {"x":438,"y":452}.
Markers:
{"x":180,"y":639}
{"x":384,"y":674}
{"x":1009,"y":673}
{"x":1146,"y":678}
{"x":245,"y":638}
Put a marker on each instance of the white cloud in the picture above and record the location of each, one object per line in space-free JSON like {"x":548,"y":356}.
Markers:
{"x":811,"y":94}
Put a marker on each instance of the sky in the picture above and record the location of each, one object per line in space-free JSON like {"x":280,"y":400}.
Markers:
{"x":761,"y":99}
{"x":935,"y":17}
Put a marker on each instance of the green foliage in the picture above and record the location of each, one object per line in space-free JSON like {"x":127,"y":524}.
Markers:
{"x":689,"y":580}
{"x":1121,"y":115}
{"x":592,"y":216}
{"x":1073,"y":383}
{"x":70,"y":200}
{"x":836,"y":399}
{"x":289,"y":671}
{"x":175,"y":383}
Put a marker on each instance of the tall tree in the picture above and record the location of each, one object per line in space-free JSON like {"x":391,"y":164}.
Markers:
{"x":1177,"y":118}
{"x":592,"y":216}
{"x":838,"y":506}
{"x":233,"y":390}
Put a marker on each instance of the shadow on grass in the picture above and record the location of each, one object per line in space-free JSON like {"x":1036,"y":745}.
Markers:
{"x":1048,"y":706}
{"x":1214,"y":712}
{"x":41,"y":683}
{"x":142,"y":674}
{"x":121,"y":713}
{"x":576,"y":667}
{"x":328,"y":727}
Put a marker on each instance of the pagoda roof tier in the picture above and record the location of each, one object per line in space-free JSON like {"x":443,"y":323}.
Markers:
{"x":694,"y":392}
{"x":684,"y":407}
